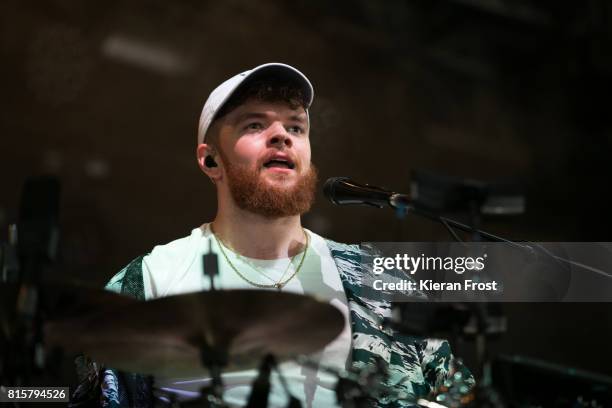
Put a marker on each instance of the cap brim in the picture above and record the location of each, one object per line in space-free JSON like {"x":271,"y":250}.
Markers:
{"x":280,"y":70}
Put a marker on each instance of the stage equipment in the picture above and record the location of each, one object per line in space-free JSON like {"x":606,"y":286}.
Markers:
{"x":182,"y":335}
{"x":344,"y":191}
{"x":28,"y":257}
{"x":429,"y":197}
{"x":531,"y":382}
{"x":442,"y":193}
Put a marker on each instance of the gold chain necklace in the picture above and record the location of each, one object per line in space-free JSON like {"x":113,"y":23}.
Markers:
{"x":278,"y":285}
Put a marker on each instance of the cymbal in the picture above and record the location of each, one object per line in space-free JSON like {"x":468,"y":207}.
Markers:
{"x":165,"y":336}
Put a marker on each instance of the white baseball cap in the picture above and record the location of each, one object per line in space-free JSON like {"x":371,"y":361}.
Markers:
{"x":223,"y":92}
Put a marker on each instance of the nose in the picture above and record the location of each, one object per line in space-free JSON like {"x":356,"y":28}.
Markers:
{"x":279,"y":137}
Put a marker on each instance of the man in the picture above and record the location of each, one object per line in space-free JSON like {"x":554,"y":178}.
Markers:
{"x":253,"y":144}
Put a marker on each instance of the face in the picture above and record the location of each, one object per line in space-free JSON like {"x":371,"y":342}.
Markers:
{"x":269,"y":138}
{"x":265,"y":153}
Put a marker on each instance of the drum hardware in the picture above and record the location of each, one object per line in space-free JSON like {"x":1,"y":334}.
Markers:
{"x":358,"y":388}
{"x":213,"y":358}
{"x":183,"y":335}
{"x":163,"y":337}
{"x":177,"y":335}
{"x":261,"y":386}
{"x":257,"y":398}
{"x":210,"y":265}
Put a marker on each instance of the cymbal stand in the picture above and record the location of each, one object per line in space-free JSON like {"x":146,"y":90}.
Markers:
{"x":210,"y":265}
{"x":214,"y":359}
{"x":261,"y":386}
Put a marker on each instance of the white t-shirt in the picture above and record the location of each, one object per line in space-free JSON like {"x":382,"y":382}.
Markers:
{"x":176,"y":268}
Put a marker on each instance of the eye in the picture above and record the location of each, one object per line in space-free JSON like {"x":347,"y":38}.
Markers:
{"x":254,"y":126}
{"x":297,"y":130}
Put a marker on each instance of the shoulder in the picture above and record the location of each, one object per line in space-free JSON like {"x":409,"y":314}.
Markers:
{"x":174,"y":253}
{"x":351,"y":256}
{"x":342,"y":248}
{"x":347,"y":258}
{"x":179,"y":246}
{"x":128,"y":280}
{"x":161,"y":256}
{"x":339,"y":249}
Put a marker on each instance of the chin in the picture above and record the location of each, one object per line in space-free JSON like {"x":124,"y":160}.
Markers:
{"x":280,"y":182}
{"x":279,"y":177}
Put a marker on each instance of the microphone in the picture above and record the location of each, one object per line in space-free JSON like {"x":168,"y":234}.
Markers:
{"x":344,"y":191}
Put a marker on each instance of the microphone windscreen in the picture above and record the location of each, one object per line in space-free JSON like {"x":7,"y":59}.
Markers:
{"x":329,"y":187}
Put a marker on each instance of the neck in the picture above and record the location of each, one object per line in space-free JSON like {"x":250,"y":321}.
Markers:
{"x":259,"y":237}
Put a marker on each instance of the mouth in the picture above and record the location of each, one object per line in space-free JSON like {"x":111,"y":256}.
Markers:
{"x":279,"y":163}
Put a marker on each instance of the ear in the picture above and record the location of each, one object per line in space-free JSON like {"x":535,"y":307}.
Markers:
{"x":214,"y":173}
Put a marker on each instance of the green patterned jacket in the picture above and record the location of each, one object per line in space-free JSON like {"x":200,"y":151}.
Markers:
{"x":416,"y":367}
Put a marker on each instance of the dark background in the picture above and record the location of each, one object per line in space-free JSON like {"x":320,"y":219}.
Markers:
{"x":107,"y":96}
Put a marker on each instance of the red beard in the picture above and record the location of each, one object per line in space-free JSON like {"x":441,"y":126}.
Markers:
{"x":253,"y":193}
